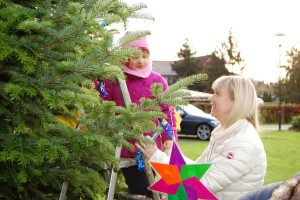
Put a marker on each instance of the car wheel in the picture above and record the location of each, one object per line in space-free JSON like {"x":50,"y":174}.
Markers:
{"x":203,"y":132}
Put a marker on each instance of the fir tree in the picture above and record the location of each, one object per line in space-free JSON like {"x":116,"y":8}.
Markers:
{"x":50,"y":52}
{"x":186,"y":65}
{"x":214,"y":68}
{"x":229,"y":52}
{"x":291,"y":83}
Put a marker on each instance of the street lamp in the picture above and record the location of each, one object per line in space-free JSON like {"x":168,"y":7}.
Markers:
{"x":279,"y":80}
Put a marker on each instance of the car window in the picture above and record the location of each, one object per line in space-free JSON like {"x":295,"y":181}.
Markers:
{"x":179,"y":110}
{"x":191,"y":109}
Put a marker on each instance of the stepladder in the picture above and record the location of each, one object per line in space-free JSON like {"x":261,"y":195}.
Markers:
{"x":111,"y":173}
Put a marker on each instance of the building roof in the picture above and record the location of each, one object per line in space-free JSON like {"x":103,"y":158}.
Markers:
{"x":202,"y":60}
{"x":196,"y":95}
{"x":164,"y":68}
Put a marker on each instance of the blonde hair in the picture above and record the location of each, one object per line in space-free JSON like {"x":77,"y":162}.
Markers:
{"x":241,"y":90}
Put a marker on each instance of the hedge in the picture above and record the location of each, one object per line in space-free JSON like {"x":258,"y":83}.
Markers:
{"x":269,"y":113}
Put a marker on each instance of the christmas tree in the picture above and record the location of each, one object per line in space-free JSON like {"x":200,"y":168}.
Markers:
{"x":54,"y":128}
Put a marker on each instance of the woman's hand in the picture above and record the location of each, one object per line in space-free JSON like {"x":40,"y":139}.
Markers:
{"x":168,"y":144}
{"x":147,"y":149}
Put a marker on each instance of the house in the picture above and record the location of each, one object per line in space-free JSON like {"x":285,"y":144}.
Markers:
{"x":197,"y":96}
{"x":203,"y":62}
{"x":164,"y":68}
{"x":199,"y":99}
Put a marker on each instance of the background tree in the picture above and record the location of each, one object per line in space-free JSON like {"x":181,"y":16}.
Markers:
{"x":186,"y":65}
{"x":50,"y":53}
{"x":267,"y":97}
{"x":212,"y":65}
{"x":214,"y":68}
{"x":229,"y":52}
{"x":291,"y":83}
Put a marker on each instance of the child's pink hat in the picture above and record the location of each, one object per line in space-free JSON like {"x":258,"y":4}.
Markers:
{"x":142,"y":44}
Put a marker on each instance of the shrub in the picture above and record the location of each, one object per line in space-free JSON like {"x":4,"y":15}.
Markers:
{"x":296,"y":123}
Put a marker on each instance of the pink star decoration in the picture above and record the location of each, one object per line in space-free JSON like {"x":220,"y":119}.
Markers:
{"x":181,"y":181}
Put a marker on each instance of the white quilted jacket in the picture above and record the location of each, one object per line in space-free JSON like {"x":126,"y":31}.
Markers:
{"x":238,"y":161}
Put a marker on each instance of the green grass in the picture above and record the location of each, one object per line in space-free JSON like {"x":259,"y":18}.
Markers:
{"x":282,"y":149}
{"x":283,"y":154}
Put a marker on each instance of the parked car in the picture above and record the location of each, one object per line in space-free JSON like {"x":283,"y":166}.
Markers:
{"x":196,"y":122}
{"x":260,"y":101}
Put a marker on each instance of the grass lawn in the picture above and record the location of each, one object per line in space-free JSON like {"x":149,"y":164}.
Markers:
{"x":282,"y":149}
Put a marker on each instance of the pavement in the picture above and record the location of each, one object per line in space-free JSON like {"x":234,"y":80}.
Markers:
{"x":274,"y":127}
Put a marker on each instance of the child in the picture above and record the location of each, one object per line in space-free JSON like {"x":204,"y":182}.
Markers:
{"x":139,"y":78}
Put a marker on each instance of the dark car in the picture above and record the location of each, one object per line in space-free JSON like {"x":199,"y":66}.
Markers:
{"x":196,"y":122}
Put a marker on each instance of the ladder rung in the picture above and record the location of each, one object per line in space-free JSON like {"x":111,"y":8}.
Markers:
{"x":127,"y":162}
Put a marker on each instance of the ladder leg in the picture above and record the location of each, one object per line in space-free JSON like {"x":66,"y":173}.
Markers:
{"x":151,"y":179}
{"x":126,"y":99}
{"x":113,"y":176}
{"x":65,"y":185}
{"x":112,"y":185}
{"x":63,"y":192}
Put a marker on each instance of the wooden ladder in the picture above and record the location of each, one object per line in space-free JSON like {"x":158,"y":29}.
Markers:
{"x":126,"y":162}
{"x":110,"y":172}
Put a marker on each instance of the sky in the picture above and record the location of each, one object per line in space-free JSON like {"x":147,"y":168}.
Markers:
{"x":206,"y":24}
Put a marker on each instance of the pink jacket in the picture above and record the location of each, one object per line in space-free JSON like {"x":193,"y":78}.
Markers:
{"x":140,"y":87}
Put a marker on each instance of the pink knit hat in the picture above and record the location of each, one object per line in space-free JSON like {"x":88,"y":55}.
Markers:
{"x":142,"y":44}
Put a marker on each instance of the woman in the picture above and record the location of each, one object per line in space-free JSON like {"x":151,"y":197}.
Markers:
{"x":235,"y":149}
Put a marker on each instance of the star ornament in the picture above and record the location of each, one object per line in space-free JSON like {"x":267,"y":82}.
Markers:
{"x":181,"y":181}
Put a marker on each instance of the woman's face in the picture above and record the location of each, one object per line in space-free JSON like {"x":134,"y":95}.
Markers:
{"x":221,"y":105}
{"x":139,"y":62}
